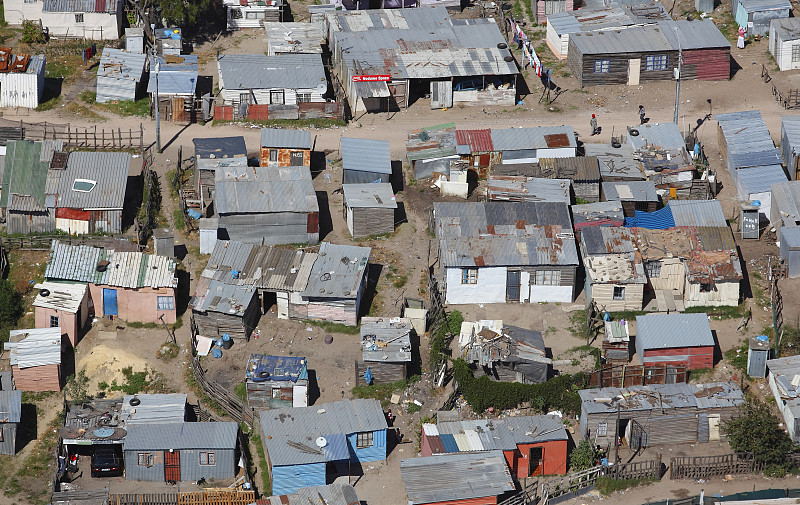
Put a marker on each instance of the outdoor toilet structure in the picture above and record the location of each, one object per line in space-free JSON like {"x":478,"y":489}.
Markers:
{"x":758,"y":352}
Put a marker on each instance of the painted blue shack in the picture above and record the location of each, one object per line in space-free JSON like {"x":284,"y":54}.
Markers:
{"x":311,"y":446}
{"x":274,"y":382}
{"x":755,"y":15}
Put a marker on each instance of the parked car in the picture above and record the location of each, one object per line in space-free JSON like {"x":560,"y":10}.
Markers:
{"x":106,"y":462}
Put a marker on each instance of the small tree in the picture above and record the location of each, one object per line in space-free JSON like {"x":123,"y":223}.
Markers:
{"x":757,"y":430}
{"x":581,"y":457}
{"x":10,"y":308}
{"x":32,"y":33}
{"x":76,"y":387}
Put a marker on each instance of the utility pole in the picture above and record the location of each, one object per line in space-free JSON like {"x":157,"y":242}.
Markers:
{"x":678,"y":76}
{"x":156,"y":68}
{"x":616,"y":439}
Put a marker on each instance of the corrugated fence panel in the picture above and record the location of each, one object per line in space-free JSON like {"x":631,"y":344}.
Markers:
{"x":258,"y":112}
{"x":383,"y":373}
{"x":283,"y":112}
{"x":223,"y":112}
{"x":370,"y":221}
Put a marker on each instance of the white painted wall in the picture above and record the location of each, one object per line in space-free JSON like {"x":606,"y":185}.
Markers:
{"x":72,"y":226}
{"x":725,"y":294}
{"x":490,"y":288}
{"x":21,"y":90}
{"x":782,"y":51}
{"x":95,"y":25}
{"x":788,"y":417}
{"x":231,"y":96}
{"x":551,"y":294}
{"x":559,"y":44}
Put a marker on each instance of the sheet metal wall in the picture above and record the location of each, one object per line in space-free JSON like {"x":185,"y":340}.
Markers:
{"x":262,"y":96}
{"x":9,"y":443}
{"x":274,"y":228}
{"x":377,"y":452}
{"x":724,"y":294}
{"x":28,"y":223}
{"x":359,"y":177}
{"x":603,"y":294}
{"x":382,"y":373}
{"x":370,"y":221}
{"x":288,"y":479}
{"x":37,"y":378}
{"x":22,"y":90}
{"x":214,"y":324}
{"x":191,"y":469}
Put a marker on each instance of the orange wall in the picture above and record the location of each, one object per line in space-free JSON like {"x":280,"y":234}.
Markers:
{"x":139,"y":305}
{"x":554,"y":459}
{"x":37,"y":378}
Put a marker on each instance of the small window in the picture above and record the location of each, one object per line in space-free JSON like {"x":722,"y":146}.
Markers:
{"x":548,"y":278}
{"x":641,"y":206}
{"x":144,"y":458}
{"x":656,"y":62}
{"x":54,"y":322}
{"x":273,"y":155}
{"x":795,"y":53}
{"x":252,"y":15}
{"x":303,"y":97}
{"x":166,"y":303}
{"x":619,"y":293}
{"x":363,"y":440}
{"x":1,"y":435}
{"x":276,"y":97}
{"x":653,"y":268}
{"x":706,"y":288}
{"x":208,"y":458}
{"x":83,"y":185}
{"x":276,"y":393}
{"x":602,"y":66}
{"x":602,"y":429}
{"x":236,"y":13}
{"x":244,"y":98}
{"x":469,"y":276}
{"x":79,"y":17}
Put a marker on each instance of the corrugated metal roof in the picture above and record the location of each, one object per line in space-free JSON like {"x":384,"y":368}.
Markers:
{"x":540,"y":137}
{"x":332,"y":494}
{"x":470,"y":219}
{"x":289,"y":37}
{"x":277,"y":368}
{"x":602,"y":240}
{"x":121,"y":65}
{"x":287,"y":430}
{"x":154,"y":408}
{"x":529,"y":189}
{"x":24,"y":175}
{"x":697,"y":213}
{"x":664,"y":136}
{"x":748,"y":140}
{"x":637,"y":191}
{"x":661,"y":331}
{"x":93,"y":6}
{"x":758,"y":179}
{"x":715,"y":238}
{"x":181,"y":436}
{"x":786,"y":28}
{"x":645,"y":39}
{"x":34,"y":347}
{"x":615,"y":162}
{"x":607,"y":213}
{"x":66,"y":296}
{"x":366,"y":155}
{"x":285,"y":138}
{"x":661,"y":397}
{"x":258,"y":190}
{"x":477,"y":141}
{"x":258,"y":71}
{"x":176,"y":77}
{"x":506,"y":433}
{"x":372,"y":195}
{"x":431,"y":142}
{"x":219,"y":147}
{"x":540,"y":246}
{"x":337,"y":272}
{"x":125,"y":269}
{"x":589,"y":19}
{"x":10,"y":406}
{"x":386,"y":339}
{"x":108,"y":170}
{"x":577,"y":169}
{"x":762,"y":5}
{"x":215,"y":296}
{"x":455,"y":477}
{"x":697,"y":34}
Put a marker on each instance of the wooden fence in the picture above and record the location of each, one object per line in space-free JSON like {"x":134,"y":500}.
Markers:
{"x":77,"y":137}
{"x":229,"y":402}
{"x":43,"y":242}
{"x":622,"y":376}
{"x":265,"y":112}
{"x":705,"y":467}
{"x":568,"y":486}
{"x":215,"y":497}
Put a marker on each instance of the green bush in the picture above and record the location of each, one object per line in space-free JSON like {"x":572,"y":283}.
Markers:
{"x":608,"y":485}
{"x":32,"y":33}
{"x":11,"y":308}
{"x":454,"y":320}
{"x":581,"y":457}
{"x":757,"y":430}
{"x":241,"y":391}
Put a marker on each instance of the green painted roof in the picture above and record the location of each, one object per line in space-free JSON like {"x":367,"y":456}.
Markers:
{"x":24,"y":173}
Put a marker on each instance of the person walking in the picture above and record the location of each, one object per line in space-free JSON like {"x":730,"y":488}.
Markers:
{"x":740,"y":39}
{"x":593,"y":123}
{"x":641,"y":115}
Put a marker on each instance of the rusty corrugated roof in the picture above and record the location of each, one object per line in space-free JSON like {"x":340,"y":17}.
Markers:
{"x":477,"y":140}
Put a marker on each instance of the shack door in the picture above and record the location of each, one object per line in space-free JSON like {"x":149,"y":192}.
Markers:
{"x":713,"y":427}
{"x":536,"y":461}
{"x":110,"y":302}
{"x":441,"y":94}
{"x":172,"y":466}
{"x":296,"y":159}
{"x":634,"y":66}
{"x":512,"y":285}
{"x":300,"y":396}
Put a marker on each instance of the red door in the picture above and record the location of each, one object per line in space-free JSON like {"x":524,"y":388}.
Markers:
{"x":172,"y":466}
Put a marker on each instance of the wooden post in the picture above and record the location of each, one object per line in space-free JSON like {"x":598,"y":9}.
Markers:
{"x":69,"y":135}
{"x":119,"y":135}
{"x":95,"y":136}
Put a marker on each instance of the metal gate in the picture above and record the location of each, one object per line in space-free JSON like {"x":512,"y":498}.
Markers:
{"x":172,"y":466}
{"x":638,"y":438}
{"x":441,"y":94}
{"x":512,"y":285}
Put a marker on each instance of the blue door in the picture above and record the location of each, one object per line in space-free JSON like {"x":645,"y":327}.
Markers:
{"x":110,"y":302}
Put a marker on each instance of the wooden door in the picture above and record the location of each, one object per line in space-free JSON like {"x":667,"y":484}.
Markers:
{"x":172,"y":466}
{"x":634,"y":66}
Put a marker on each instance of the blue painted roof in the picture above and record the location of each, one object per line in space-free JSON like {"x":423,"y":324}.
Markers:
{"x":449,"y":442}
{"x":279,"y":368}
{"x":658,"y":220}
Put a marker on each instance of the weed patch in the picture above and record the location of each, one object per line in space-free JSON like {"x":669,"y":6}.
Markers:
{"x":335,"y":327}
{"x":125,"y":108}
{"x":607,"y":485}
{"x":381,"y":392}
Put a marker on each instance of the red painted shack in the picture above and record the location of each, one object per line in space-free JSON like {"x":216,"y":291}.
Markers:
{"x":531,"y":445}
{"x":675,"y":339}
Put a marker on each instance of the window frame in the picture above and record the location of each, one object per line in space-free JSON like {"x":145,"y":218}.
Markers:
{"x":620,"y":296}
{"x":165,"y":302}
{"x":79,"y":17}
{"x":795,"y":53}
{"x":707,"y":287}
{"x":145,"y":459}
{"x":273,"y":155}
{"x":210,"y":458}
{"x":653,"y":268}
{"x":547,"y":278}
{"x":469,"y":276}
{"x":277,"y":92}
{"x":604,"y":66}
{"x":656,"y":62}
{"x":364,"y":440}
{"x":303,"y":97}
{"x":57,"y":321}
{"x":602,"y":429}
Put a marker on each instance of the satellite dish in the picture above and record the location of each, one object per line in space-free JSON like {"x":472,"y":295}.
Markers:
{"x":322,"y":87}
{"x":321,"y":442}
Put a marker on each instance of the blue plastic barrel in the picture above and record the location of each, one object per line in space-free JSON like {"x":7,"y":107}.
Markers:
{"x":216,"y":352}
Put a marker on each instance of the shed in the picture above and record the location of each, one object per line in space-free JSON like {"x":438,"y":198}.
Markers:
{"x":782,"y":372}
{"x":530,"y":189}
{"x":597,"y":214}
{"x":220,"y":308}
{"x":365,"y":161}
{"x":336,"y":285}
{"x":10,"y":415}
{"x":211,"y":153}
{"x":616,"y":342}
{"x":755,"y":15}
{"x":35,"y":358}
{"x":430,"y":149}
{"x":306,"y":446}
{"x":293,"y":38}
{"x":177,"y":452}
{"x":243,"y":14}
{"x":658,"y":414}
{"x":29,"y":206}
{"x":267,"y":205}
{"x":132,"y":286}
{"x":385,"y":350}
{"x":177,"y":86}
{"x":714,"y":271}
{"x":790,"y":250}
{"x":790,"y":135}
{"x":634,"y":195}
{"x":505,"y":353}
{"x":784,"y":36}
{"x":91,"y":192}
{"x":440,"y":479}
{"x":675,"y":339}
{"x":784,"y":206}
{"x":169,"y":41}
{"x":528,"y":145}
{"x":282,"y":147}
{"x":119,"y":75}
{"x":698,"y":213}
{"x":21,"y":79}
{"x":582,"y":172}
{"x":369,"y":208}
{"x":616,"y":163}
{"x":758,"y":352}
{"x":64,"y":305}
{"x":257,"y":79}
{"x":274,"y":382}
{"x":134,"y":39}
{"x":615,"y":275}
{"x":75,"y":19}
{"x":207,"y":228}
{"x":755,"y":183}
{"x":332,"y":494}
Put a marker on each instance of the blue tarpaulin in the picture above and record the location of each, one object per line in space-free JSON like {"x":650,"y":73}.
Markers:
{"x":658,"y":220}
{"x":368,"y":376}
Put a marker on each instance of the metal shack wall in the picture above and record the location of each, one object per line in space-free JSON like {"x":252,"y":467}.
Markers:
{"x":191,"y":469}
{"x":9,"y":443}
{"x":360,"y":177}
{"x":288,"y":479}
{"x":377,"y":452}
{"x":30,"y":222}
{"x":21,"y":90}
{"x":370,"y":221}
{"x":275,"y":228}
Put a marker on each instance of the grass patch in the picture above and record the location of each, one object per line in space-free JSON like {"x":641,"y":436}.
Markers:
{"x":381,"y":392}
{"x":413,"y":408}
{"x":398,"y":280}
{"x":178,"y":219}
{"x":58,"y":69}
{"x":607,"y":485}
{"x":737,"y":357}
{"x":262,"y":465}
{"x":290,"y":123}
{"x":49,"y":104}
{"x":88,"y":96}
{"x":241,"y":391}
{"x":124,"y":108}
{"x":84,"y":112}
{"x":701,"y":373}
{"x":334,"y":327}
{"x":724,"y":312}
{"x":168,"y":351}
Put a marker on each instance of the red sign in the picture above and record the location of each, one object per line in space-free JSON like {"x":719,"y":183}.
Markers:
{"x":372,"y":78}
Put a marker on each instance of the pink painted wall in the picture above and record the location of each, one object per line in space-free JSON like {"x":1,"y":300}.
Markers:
{"x":137,"y":305}
{"x":67,"y":320}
